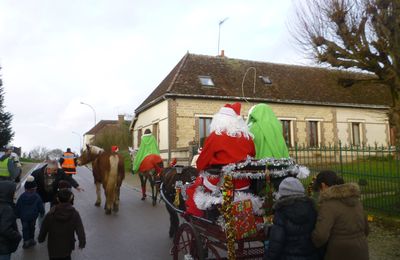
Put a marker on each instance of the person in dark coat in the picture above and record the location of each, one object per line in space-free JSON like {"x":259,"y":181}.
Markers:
{"x":48,"y":178}
{"x":293,"y":223}
{"x":60,"y":225}
{"x":9,"y":234}
{"x":342,"y":225}
{"x":28,"y":208}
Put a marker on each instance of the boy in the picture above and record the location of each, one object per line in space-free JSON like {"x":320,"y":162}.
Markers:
{"x":29,"y":206}
{"x":61,"y":224}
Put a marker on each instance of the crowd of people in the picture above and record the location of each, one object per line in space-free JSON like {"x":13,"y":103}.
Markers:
{"x":49,"y":183}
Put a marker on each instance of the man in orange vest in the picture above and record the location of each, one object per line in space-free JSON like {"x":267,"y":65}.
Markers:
{"x":68,"y":162}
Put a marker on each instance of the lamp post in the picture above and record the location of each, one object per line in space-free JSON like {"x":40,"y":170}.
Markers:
{"x":219,"y":30}
{"x":80,"y":140}
{"x":94,"y":111}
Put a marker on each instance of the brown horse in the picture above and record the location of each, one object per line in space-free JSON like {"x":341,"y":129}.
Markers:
{"x":169,"y":177}
{"x":108,"y":169}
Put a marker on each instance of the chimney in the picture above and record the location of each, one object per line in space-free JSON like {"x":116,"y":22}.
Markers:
{"x":222,"y":53}
{"x":121,"y":119}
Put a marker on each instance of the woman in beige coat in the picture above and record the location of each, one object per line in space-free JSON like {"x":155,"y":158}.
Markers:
{"x":341,"y":225}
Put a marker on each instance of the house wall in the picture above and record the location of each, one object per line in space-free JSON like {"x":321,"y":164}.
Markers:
{"x":146,"y":120}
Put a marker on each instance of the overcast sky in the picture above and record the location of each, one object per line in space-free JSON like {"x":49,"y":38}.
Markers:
{"x":112,"y":53}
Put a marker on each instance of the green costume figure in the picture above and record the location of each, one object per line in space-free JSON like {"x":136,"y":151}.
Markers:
{"x":267,"y":132}
{"x":148,"y":146}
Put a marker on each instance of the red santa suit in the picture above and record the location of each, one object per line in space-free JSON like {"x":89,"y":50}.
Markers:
{"x":229,"y":142}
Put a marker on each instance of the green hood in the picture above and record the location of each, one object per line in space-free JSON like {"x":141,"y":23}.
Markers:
{"x":267,"y":131}
{"x":148,"y":145}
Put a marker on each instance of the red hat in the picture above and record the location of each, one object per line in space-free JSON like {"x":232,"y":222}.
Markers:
{"x":231,"y":109}
{"x":114,"y":148}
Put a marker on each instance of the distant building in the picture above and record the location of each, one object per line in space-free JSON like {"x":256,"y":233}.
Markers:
{"x":314,"y":104}
{"x":102,"y":126}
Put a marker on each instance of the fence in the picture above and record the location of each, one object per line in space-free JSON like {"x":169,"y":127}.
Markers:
{"x":375,"y":169}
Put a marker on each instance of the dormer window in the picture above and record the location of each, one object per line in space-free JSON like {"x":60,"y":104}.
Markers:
{"x":206,"y":81}
{"x":266,"y":80}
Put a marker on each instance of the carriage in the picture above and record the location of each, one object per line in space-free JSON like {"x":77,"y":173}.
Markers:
{"x":204,"y":238}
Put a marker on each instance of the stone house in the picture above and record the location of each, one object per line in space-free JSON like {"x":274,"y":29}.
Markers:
{"x":315,"y":105}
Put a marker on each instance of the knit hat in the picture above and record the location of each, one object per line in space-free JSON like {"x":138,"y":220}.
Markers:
{"x":30,"y":183}
{"x":290,"y":187}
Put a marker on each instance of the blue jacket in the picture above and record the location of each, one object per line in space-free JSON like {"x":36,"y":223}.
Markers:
{"x":290,"y":235}
{"x":29,"y":206}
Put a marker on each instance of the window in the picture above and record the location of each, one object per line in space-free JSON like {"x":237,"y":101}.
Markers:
{"x":206,"y":81}
{"x":355,"y":131}
{"x":204,"y":129}
{"x":286,"y":127}
{"x":139,"y":137}
{"x":313,"y":138}
{"x":155,"y":133}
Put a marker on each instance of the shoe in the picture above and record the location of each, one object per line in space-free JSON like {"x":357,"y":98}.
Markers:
{"x":32,"y":242}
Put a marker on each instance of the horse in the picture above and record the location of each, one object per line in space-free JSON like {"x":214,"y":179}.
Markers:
{"x":169,"y":176}
{"x":154,"y":166}
{"x":108,"y":169}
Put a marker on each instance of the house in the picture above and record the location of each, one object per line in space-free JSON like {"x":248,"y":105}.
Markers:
{"x":315,"y":105}
{"x":103,"y":126}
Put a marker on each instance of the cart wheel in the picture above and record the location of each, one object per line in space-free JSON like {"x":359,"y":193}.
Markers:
{"x":212,"y":253}
{"x":187,"y":242}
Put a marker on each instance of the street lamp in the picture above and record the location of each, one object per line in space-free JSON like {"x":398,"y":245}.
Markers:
{"x":94,"y":111}
{"x":80,"y":140}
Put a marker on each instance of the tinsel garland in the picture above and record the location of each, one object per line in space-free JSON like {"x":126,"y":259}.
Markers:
{"x":227,"y":193}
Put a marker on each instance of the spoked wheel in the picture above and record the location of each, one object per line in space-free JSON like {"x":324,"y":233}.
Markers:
{"x":212,"y":253}
{"x":187,"y":242}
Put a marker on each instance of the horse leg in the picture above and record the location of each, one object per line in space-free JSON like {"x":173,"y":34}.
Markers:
{"x":116,"y":199}
{"x":153,"y":195}
{"x":143,"y":184}
{"x":173,"y":220}
{"x":98,"y":193}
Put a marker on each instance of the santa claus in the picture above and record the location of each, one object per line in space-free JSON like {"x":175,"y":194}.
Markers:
{"x":230,"y":141}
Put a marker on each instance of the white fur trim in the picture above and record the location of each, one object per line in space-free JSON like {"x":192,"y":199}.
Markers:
{"x":227,"y":111}
{"x":204,"y":200}
{"x":209,"y":185}
{"x":303,"y":172}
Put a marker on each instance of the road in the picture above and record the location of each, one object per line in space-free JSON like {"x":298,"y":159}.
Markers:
{"x":137,"y":231}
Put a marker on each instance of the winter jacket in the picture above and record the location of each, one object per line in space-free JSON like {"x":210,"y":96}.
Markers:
{"x":61,"y":224}
{"x":290,"y":234}
{"x":9,"y":234}
{"x":341,"y":223}
{"x":48,"y":196}
{"x":29,"y":206}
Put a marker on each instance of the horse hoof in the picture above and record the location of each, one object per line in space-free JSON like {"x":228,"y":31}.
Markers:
{"x":97,"y":204}
{"x":108,"y":211}
{"x":143,"y":198}
{"x":115,"y":209}
{"x":154,"y":202}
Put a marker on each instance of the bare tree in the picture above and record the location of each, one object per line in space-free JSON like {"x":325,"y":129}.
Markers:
{"x":360,"y":34}
{"x":39,"y":153}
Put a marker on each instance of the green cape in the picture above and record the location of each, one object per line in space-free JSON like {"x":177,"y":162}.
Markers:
{"x":267,"y":131}
{"x":148,"y":145}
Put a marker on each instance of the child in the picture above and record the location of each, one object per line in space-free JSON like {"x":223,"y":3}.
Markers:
{"x":293,"y":223}
{"x":61,"y":224}
{"x":29,"y":206}
{"x":342,"y":225}
{"x":9,"y":235}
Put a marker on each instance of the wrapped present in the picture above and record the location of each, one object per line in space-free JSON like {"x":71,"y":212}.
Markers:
{"x":244,"y":219}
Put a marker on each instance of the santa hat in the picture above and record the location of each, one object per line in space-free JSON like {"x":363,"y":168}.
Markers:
{"x":114,"y":148}
{"x":30,"y":183}
{"x":231,"y":109}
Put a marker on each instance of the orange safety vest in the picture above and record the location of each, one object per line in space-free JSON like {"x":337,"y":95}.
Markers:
{"x":68,"y":164}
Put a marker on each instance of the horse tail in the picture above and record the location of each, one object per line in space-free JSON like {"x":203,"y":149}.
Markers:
{"x":112,"y":178}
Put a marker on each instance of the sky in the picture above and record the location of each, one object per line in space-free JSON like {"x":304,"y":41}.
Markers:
{"x":111,"y":54}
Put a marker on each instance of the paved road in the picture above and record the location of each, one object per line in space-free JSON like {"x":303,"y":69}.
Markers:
{"x":137,"y":231}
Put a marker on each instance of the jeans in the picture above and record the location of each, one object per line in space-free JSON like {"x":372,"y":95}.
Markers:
{"x":28,"y":229}
{"x":5,"y":257}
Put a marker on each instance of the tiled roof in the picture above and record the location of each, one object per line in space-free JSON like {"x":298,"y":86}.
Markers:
{"x":103,"y":123}
{"x":290,"y":83}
